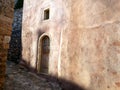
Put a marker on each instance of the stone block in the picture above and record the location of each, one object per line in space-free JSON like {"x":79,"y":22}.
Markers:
{"x":1,"y":83}
{"x":7,"y":39}
{"x":2,"y":69}
{"x":5,"y":32}
{"x":1,"y":39}
{"x":5,"y":19}
{"x":1,"y":46}
{"x":6,"y":46}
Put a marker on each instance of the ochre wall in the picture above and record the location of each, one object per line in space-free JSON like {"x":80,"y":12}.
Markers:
{"x":6,"y":15}
{"x":84,"y":39}
{"x":34,"y":27}
{"x":90,"y":55}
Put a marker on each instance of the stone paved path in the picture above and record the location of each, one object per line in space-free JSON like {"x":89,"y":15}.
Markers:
{"x":18,"y":78}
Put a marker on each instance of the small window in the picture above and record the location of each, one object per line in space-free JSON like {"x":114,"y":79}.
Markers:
{"x":46,"y":14}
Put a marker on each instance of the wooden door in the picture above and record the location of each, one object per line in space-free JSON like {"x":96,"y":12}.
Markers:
{"x":45,"y":49}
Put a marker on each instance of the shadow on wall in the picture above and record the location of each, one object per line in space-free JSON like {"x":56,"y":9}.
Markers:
{"x":64,"y":84}
{"x":67,"y":85}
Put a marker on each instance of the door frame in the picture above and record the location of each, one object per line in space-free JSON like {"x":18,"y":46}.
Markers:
{"x":40,"y":52}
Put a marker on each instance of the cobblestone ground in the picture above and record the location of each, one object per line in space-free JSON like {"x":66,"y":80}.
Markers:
{"x":19,"y":78}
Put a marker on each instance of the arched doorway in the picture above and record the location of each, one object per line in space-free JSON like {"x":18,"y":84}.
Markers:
{"x":43,"y":55}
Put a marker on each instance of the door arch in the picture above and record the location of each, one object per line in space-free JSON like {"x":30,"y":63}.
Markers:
{"x":43,"y":54}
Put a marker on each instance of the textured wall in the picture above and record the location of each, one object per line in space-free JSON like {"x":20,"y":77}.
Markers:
{"x":14,"y":52}
{"x":90,"y":54}
{"x":85,"y":40}
{"x":34,"y":27}
{"x":6,"y":15}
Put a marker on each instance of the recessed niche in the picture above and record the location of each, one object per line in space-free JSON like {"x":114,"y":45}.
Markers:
{"x":46,"y":14}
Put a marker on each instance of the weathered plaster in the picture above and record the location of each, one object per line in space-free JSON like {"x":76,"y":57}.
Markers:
{"x":85,"y":40}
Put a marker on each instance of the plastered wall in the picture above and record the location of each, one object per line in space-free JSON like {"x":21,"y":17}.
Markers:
{"x":90,"y":48}
{"x":84,"y":40}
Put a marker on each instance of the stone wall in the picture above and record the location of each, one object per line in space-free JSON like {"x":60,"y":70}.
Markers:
{"x":6,"y":15}
{"x":14,"y":52}
{"x":84,"y":41}
{"x":90,"y":55}
{"x":34,"y":28}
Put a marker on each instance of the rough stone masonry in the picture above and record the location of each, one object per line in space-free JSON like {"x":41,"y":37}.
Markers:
{"x":14,"y":51}
{"x":6,"y":15}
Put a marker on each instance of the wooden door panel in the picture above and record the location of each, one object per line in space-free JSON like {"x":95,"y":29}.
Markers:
{"x":45,"y":55}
